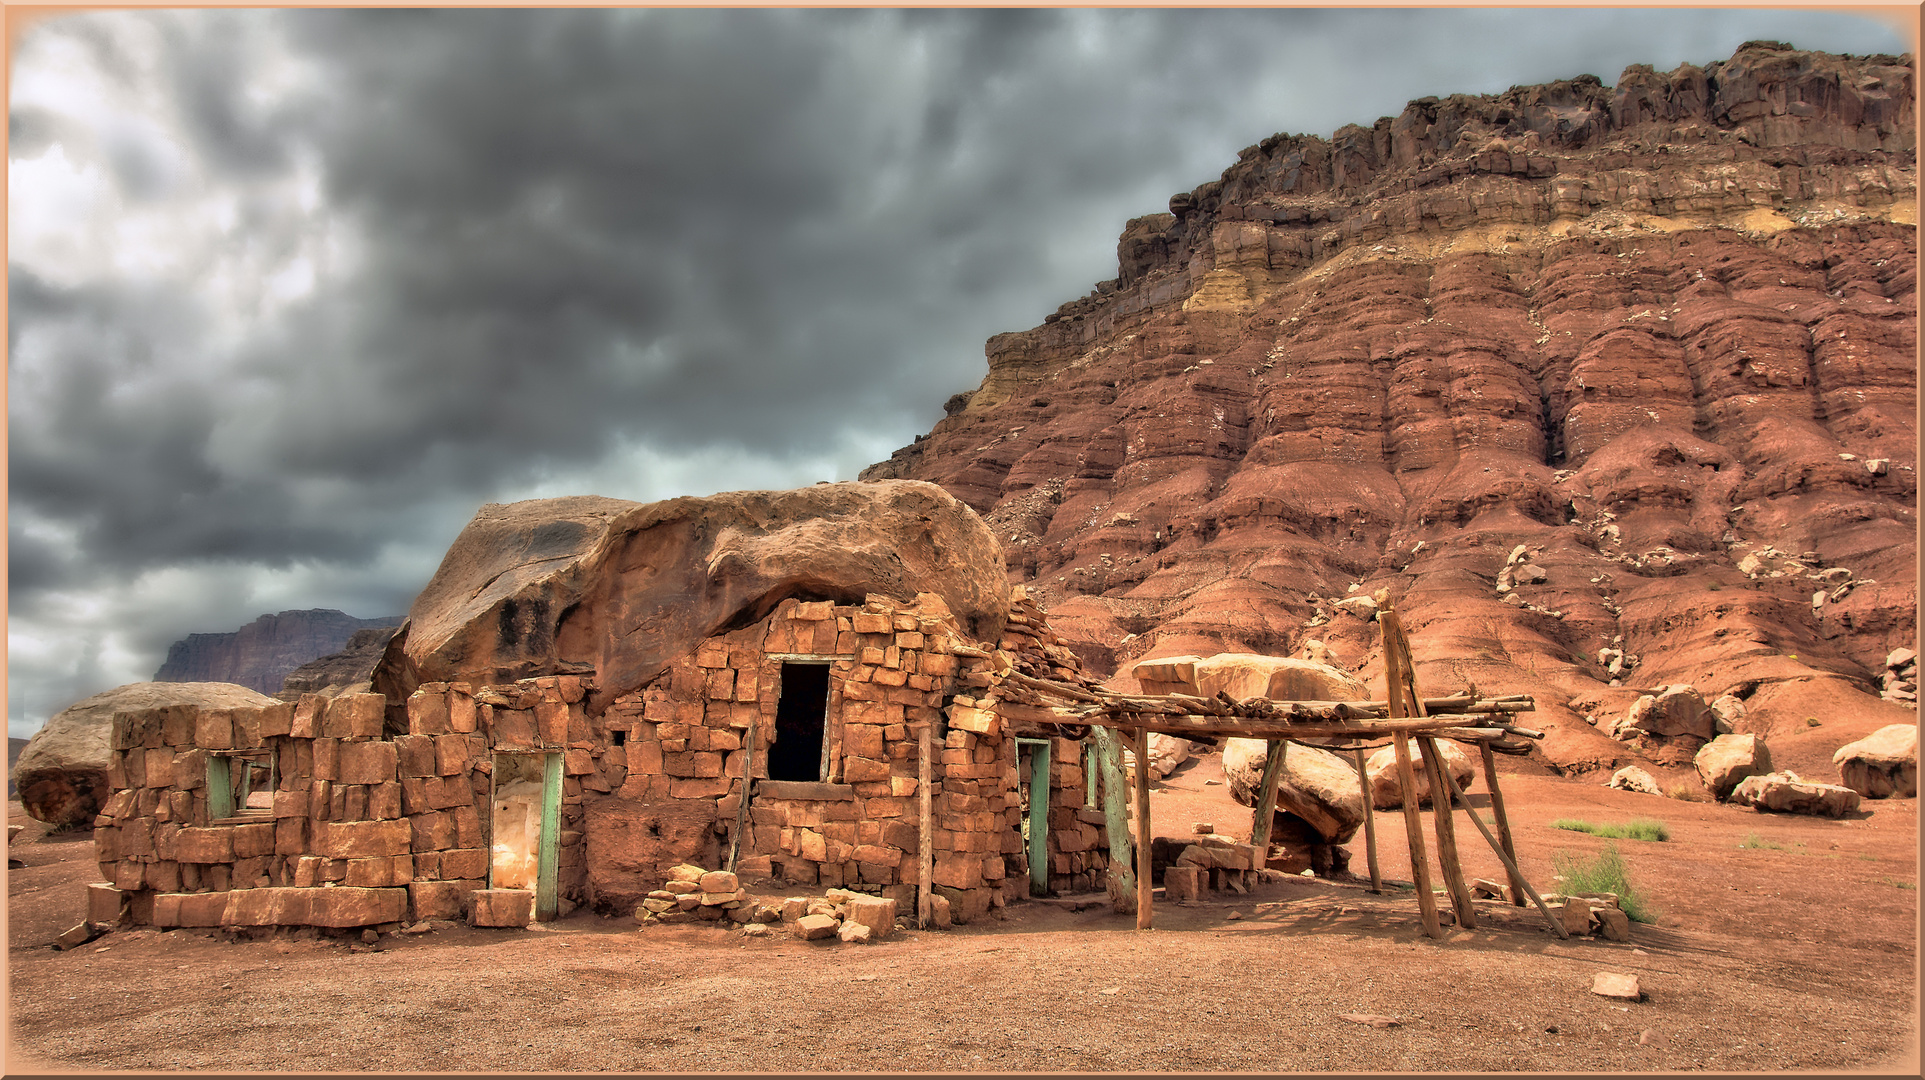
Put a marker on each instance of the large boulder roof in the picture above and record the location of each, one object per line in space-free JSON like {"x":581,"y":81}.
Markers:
{"x":622,"y":588}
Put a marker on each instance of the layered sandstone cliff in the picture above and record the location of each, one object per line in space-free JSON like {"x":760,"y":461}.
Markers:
{"x":261,"y":654}
{"x":1662,"y":333}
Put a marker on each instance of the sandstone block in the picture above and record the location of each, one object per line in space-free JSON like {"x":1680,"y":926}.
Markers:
{"x":465,"y":863}
{"x":346,"y":906}
{"x":816,"y":927}
{"x":856,"y":933}
{"x":503,"y":907}
{"x":1632,"y":778}
{"x":358,"y":716}
{"x":211,"y":844}
{"x":105,"y":904}
{"x":366,"y":762}
{"x":364,"y":839}
{"x":1183,"y":882}
{"x":876,"y":913}
{"x":252,"y":841}
{"x":441,"y":899}
{"x":1613,"y":924}
{"x":1613,"y":985}
{"x":1785,"y":792}
{"x":718,"y":881}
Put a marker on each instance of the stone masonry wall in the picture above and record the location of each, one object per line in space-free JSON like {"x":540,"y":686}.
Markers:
{"x":362,"y":829}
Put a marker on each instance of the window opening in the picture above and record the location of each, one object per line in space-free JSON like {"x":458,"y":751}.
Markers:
{"x":801,"y":714}
{"x":620,"y":736}
{"x":240,"y":785}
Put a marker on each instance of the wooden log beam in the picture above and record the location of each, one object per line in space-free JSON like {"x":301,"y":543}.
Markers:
{"x":1120,"y":880}
{"x":1503,"y":822}
{"x":1510,"y":865}
{"x":1441,"y":810}
{"x":1397,"y":683}
{"x":1370,"y":824}
{"x":925,"y":810}
{"x":742,"y":801}
{"x":1266,"y":807}
{"x":1144,"y":874}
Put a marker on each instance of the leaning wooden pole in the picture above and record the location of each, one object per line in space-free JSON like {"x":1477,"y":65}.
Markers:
{"x":1143,"y":872}
{"x":1266,"y":808}
{"x":1503,"y":822}
{"x":925,"y":808}
{"x":742,"y":803}
{"x":1370,"y":823}
{"x":1510,"y":865}
{"x":1441,"y":807}
{"x":1120,"y":880}
{"x":1394,"y":664}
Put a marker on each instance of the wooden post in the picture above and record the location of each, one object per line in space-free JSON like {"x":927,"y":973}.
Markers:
{"x":1396,"y":666}
{"x":1510,"y":867}
{"x":1143,"y":873}
{"x":742,"y":805}
{"x":1503,"y":822}
{"x":1414,"y":832}
{"x":1121,"y":879}
{"x":1370,"y":824}
{"x":925,"y":807}
{"x":1267,"y":797}
{"x":1441,"y":817}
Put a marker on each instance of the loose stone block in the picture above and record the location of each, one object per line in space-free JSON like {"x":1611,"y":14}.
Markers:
{"x":1613,"y":924}
{"x":876,"y":913}
{"x":503,"y":907}
{"x":718,"y":881}
{"x":105,"y":904}
{"x":1183,"y":883}
{"x":816,"y":927}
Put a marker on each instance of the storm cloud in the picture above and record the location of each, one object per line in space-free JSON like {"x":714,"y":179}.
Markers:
{"x":293,"y":292}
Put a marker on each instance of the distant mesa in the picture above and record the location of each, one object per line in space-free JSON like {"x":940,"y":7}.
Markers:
{"x":262,"y":654}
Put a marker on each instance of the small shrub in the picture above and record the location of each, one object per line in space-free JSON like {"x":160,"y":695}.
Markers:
{"x":1635,"y":829}
{"x":1752,"y":841}
{"x":1897,"y":884}
{"x":1811,"y":721}
{"x":1684,"y":792}
{"x":1604,"y":872}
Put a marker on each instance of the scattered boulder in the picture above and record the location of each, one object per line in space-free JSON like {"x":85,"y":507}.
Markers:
{"x":817,"y":927}
{"x":1785,"y":792}
{"x":1613,"y":985}
{"x":1671,"y":712}
{"x":1728,"y":759}
{"x":1316,"y":786}
{"x":1883,"y":764}
{"x":62,"y":771}
{"x":1166,"y":753}
{"x":1632,"y":778}
{"x":1386,"y":787}
{"x":1726,"y":711}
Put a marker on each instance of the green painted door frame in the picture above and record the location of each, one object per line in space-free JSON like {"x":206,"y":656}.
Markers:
{"x":1038,"y":818}
{"x":548,"y":857}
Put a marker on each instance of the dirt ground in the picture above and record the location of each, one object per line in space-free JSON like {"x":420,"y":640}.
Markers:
{"x":1783,"y":943}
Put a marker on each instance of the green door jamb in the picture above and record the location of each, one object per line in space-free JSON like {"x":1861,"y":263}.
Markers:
{"x":548,"y":858}
{"x":220,"y":787}
{"x":1038,"y":780}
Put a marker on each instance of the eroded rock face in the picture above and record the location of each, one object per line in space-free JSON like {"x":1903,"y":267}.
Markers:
{"x":1652,"y":331}
{"x":349,"y":671}
{"x":1883,"y":764}
{"x":62,"y":771}
{"x":621,"y":588}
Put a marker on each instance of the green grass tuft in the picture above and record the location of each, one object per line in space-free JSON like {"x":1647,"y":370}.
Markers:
{"x":1604,"y":872}
{"x":1752,"y":841}
{"x":1635,"y":829}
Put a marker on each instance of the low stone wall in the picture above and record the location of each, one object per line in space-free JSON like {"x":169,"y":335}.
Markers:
{"x":359,"y":829}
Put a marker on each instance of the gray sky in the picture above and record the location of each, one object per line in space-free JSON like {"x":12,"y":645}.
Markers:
{"x":293,"y":293}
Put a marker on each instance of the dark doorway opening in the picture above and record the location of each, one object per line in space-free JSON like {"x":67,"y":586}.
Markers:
{"x":800,"y":714}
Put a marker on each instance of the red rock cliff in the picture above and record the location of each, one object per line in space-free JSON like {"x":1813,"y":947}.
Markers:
{"x":1661,"y":333}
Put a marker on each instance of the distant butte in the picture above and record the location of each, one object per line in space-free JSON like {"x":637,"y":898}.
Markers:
{"x":1662,"y":334}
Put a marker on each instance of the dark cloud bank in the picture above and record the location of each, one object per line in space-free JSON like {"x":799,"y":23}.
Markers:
{"x":640,"y":253}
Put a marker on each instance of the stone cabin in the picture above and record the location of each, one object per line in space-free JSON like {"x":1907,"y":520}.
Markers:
{"x":572,"y":707}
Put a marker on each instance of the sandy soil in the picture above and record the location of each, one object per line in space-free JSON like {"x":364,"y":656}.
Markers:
{"x":1783,"y":943}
